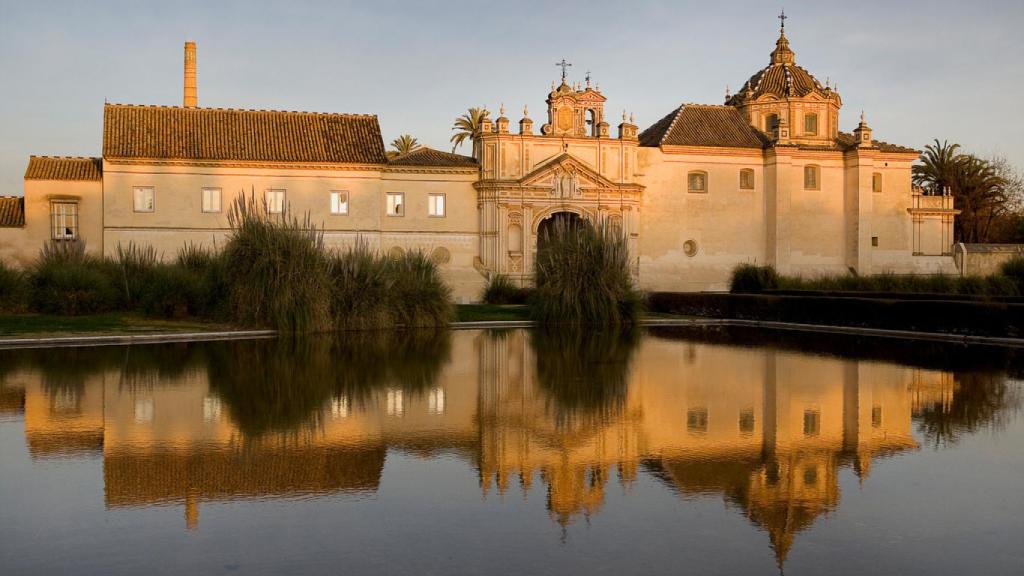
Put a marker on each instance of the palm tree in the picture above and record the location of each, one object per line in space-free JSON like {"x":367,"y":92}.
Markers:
{"x":468,"y":126}
{"x":980,"y":192}
{"x":938,"y":168}
{"x":404,"y":144}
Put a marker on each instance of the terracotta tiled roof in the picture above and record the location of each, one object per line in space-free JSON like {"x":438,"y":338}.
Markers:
{"x":848,"y":141}
{"x":780,"y":80}
{"x":704,"y":125}
{"x":12,"y":211}
{"x":64,"y":168}
{"x":222,"y":134}
{"x":424,"y":156}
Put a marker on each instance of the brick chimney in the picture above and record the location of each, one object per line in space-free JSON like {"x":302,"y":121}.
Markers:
{"x":191,"y":99}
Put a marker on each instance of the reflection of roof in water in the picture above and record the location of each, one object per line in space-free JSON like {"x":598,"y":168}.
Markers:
{"x":62,"y":444}
{"x":132,"y":478}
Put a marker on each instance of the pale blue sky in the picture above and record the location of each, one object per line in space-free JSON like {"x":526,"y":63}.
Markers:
{"x":921,"y":70}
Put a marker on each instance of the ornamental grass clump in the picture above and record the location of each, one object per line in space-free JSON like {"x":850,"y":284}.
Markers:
{"x":13,"y":289}
{"x":501,"y":289}
{"x":751,"y":279}
{"x":65,"y":280}
{"x":360,"y":287}
{"x":278,"y":271}
{"x":418,"y":296}
{"x":583,"y":277}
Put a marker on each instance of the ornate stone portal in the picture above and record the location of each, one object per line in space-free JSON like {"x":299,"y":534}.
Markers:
{"x":573,"y":166}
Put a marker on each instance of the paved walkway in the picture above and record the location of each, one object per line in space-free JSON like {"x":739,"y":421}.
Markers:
{"x":108,"y":340}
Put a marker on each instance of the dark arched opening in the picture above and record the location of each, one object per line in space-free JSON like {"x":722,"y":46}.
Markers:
{"x":557,"y":222}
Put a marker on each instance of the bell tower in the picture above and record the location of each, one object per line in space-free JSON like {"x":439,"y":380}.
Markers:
{"x":574,"y":110}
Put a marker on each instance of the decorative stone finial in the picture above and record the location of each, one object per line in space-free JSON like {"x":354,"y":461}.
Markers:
{"x":526,"y":111}
{"x":501,"y":109}
{"x":588,"y":78}
{"x":623,"y":114}
{"x":631,"y":118}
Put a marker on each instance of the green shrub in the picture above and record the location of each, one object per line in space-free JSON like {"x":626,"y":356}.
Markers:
{"x":583,"y":277}
{"x":360,"y":289}
{"x":418,"y":295}
{"x":278,"y":270}
{"x":749,"y":278}
{"x":501,"y":289}
{"x":209,"y":270}
{"x":66,"y":281}
{"x":13,"y":289}
{"x":172,"y":291}
{"x":1013,"y":269}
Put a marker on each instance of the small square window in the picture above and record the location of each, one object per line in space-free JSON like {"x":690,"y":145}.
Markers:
{"x":874,"y":241}
{"x":275,"y":201}
{"x":396,"y":204}
{"x":435,"y":205}
{"x":64,"y":220}
{"x":746,"y":179}
{"x":697,"y":182}
{"x":876,"y":182}
{"x":143,"y":198}
{"x":211,"y":199}
{"x":339,"y":202}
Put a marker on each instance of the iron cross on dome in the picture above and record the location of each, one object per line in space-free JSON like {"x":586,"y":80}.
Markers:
{"x":564,"y":65}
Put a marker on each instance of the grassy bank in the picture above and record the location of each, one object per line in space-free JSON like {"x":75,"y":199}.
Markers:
{"x":114,"y":323}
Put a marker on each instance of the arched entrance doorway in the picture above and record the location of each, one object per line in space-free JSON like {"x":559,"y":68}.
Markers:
{"x":557,"y":222}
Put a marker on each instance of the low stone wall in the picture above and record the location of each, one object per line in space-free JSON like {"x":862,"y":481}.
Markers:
{"x":984,"y":318}
{"x":984,"y":259}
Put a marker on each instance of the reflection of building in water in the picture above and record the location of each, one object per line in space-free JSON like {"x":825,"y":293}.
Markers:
{"x":767,"y":430}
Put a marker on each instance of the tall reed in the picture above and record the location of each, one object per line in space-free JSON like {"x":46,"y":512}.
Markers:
{"x":278,"y":273}
{"x":583,"y":276}
{"x":66,"y":280}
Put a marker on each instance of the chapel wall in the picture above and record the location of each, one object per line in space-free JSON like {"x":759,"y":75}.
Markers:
{"x":727,"y":224}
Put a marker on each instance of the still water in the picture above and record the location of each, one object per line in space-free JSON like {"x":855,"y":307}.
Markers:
{"x":712,"y":451}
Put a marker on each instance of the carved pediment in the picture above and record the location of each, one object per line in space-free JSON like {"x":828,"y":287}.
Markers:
{"x":563,"y":173}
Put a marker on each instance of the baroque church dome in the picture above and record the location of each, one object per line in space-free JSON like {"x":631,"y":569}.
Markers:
{"x":782,"y":78}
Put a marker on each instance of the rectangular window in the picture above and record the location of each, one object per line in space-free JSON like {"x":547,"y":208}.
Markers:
{"x":435,"y":204}
{"x":396,"y":204}
{"x":876,"y":182}
{"x":811,"y":177}
{"x":64,"y":220}
{"x":810,"y":124}
{"x":746,"y":179}
{"x":211,"y":199}
{"x":143,"y":198}
{"x":812,"y":422}
{"x":697,"y":420}
{"x":697,"y":182}
{"x":874,"y":241}
{"x":747,"y":421}
{"x":876,"y":416}
{"x":339,"y":202}
{"x":275,"y":201}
